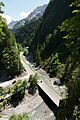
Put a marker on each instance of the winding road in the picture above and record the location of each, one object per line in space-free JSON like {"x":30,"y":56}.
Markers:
{"x":42,"y":84}
{"x":26,"y":76}
{"x":31,"y":102}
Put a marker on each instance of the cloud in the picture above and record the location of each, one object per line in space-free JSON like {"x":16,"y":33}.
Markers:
{"x":8,"y":18}
{"x":23,"y":15}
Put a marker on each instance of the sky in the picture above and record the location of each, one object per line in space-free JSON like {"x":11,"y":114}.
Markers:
{"x":19,"y":9}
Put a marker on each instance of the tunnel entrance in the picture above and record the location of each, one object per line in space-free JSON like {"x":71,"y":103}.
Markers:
{"x":48,"y":101}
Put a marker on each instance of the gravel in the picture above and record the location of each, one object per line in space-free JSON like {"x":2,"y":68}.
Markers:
{"x":42,"y":112}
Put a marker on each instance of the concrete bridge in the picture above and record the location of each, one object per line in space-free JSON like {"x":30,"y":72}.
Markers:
{"x":50,"y":92}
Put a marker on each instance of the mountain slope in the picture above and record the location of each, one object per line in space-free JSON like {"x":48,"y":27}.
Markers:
{"x":56,"y":48}
{"x":34,"y":15}
{"x":25,"y":29}
{"x":56,"y":12}
{"x":11,"y":24}
{"x":48,"y":44}
{"x":24,"y":35}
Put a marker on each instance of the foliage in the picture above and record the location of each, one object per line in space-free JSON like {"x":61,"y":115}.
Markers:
{"x":72,"y":69}
{"x":25,"y":52}
{"x":2,"y":91}
{"x":56,"y":48}
{"x":20,"y":47}
{"x":18,"y":92}
{"x":23,"y":116}
{"x":1,"y":5}
{"x":26,"y":33}
{"x":49,"y":40}
{"x":1,"y":106}
{"x":9,"y":53}
{"x":33,"y":83}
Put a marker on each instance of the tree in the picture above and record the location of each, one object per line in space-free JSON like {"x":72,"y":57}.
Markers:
{"x":72,"y":70}
{"x":23,"y":116}
{"x":18,"y":92}
{"x":72,"y":27}
{"x":33,"y":83}
{"x":37,"y":55}
{"x":11,"y":61}
{"x":9,"y":53}
{"x":1,"y":5}
{"x":25,"y":52}
{"x":2,"y":91}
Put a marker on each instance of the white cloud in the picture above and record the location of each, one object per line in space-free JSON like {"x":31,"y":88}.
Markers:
{"x":23,"y":15}
{"x":8,"y":18}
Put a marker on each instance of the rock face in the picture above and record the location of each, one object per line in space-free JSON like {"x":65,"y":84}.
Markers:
{"x":34,"y":15}
{"x":11,"y":24}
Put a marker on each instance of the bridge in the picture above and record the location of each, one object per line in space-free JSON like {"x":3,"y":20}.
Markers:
{"x":50,"y":92}
{"x":42,"y":84}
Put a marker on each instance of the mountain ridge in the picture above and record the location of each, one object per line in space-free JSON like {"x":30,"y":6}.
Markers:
{"x":34,"y":15}
{"x":11,"y":24}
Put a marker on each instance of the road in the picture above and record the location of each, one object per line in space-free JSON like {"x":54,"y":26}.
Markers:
{"x":27,"y":68}
{"x":33,"y":101}
{"x":26,"y":65}
{"x":9,"y":83}
{"x":45,"y":87}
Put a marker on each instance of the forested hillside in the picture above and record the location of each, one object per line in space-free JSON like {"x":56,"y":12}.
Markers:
{"x":25,"y":29}
{"x":33,"y":16}
{"x":56,"y":48}
{"x":9,"y":54}
{"x":70,"y":108}
{"x":48,"y":44}
{"x":25,"y":34}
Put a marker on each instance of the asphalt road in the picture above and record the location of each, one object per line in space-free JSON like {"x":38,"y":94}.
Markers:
{"x":51,"y":93}
{"x":46,"y":88}
{"x":26,"y":65}
{"x":27,"y":68}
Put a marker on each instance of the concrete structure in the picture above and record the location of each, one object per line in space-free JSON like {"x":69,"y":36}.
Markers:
{"x":50,"y":92}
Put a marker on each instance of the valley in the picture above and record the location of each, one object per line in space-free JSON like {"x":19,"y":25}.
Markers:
{"x":40,"y":60}
{"x":31,"y":103}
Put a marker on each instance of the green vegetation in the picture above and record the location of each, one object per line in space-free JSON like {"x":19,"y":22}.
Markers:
{"x":48,"y":41}
{"x":13,"y":95}
{"x":18,"y":92}
{"x":25,"y":52}
{"x":56,"y":48}
{"x":1,"y":5}
{"x":25,"y":34}
{"x":33,"y":83}
{"x":24,"y":116}
{"x":71,"y":107}
{"x":2,"y":91}
{"x":9,"y":53}
{"x":20,"y":47}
